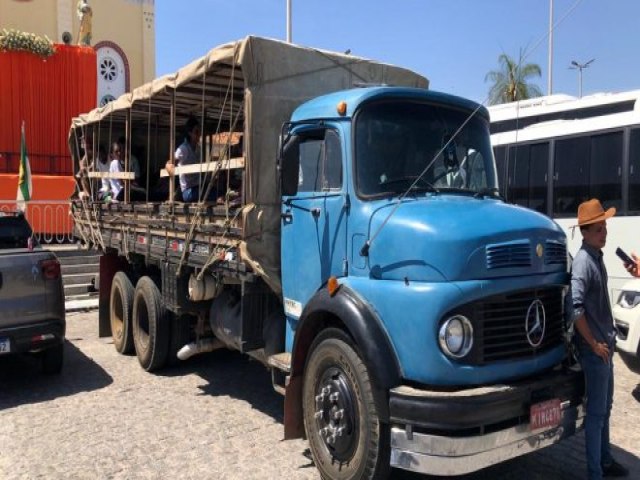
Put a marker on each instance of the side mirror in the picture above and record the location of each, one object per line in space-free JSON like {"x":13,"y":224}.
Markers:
{"x":290,"y":166}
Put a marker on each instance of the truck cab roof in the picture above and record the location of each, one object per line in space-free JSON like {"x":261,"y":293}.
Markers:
{"x":325,"y":106}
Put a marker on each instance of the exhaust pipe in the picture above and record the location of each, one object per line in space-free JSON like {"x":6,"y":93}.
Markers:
{"x":203,"y":346}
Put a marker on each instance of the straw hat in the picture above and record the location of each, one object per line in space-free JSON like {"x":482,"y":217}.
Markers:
{"x":591,"y":211}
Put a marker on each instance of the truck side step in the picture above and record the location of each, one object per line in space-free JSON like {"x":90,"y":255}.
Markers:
{"x":281,"y":361}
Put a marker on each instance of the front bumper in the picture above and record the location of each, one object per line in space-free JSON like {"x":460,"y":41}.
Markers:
{"x":627,"y":321}
{"x":35,"y":337}
{"x":454,"y":433}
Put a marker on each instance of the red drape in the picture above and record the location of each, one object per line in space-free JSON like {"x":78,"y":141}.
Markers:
{"x":46,"y":94}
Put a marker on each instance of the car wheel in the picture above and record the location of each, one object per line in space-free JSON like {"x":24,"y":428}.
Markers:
{"x":346,"y":436}
{"x":120,"y":310}
{"x":52,"y":359}
{"x":150,"y":326}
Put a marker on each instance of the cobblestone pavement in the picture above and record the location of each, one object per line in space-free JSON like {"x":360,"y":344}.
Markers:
{"x":215,"y":416}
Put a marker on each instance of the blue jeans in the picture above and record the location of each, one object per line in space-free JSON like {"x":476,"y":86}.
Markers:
{"x":599,"y":384}
{"x":190,"y":195}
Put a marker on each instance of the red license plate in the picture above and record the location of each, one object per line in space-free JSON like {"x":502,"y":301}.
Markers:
{"x":545,"y":414}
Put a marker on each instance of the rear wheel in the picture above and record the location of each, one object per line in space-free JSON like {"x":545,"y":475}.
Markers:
{"x":120,"y":310}
{"x":346,"y":436}
{"x":52,"y":359}
{"x":150,"y":325}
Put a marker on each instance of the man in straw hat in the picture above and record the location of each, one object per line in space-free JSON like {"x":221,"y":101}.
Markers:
{"x":596,"y":339}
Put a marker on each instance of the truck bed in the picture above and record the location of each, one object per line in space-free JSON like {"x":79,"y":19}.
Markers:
{"x":161,"y":232}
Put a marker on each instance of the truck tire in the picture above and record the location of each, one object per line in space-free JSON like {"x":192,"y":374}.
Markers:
{"x":52,"y":359}
{"x":180,"y":336}
{"x":346,"y":436}
{"x":120,"y":310}
{"x":150,"y":325}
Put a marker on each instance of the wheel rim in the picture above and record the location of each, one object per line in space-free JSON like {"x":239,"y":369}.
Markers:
{"x":336,"y":414}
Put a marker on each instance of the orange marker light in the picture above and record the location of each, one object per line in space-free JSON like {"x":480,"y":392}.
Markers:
{"x":332,"y":285}
{"x":342,"y":108}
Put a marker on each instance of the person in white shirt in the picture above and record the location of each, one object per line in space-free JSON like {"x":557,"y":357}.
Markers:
{"x":102,"y":166}
{"x":116,"y":166}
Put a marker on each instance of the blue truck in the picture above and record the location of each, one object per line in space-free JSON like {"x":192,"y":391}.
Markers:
{"x":357,"y":247}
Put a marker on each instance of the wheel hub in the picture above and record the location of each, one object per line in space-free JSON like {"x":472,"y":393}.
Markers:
{"x":335,"y":414}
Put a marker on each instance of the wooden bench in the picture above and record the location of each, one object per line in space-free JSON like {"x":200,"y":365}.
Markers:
{"x":213,"y":166}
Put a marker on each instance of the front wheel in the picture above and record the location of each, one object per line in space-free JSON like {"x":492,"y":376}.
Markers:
{"x":346,"y":436}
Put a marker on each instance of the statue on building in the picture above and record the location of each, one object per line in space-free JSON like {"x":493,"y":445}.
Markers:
{"x":85,"y":15}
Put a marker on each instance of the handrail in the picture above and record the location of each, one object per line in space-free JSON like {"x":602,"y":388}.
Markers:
{"x":50,"y":219}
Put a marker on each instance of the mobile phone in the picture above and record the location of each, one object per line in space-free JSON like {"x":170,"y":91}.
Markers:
{"x":624,"y":257}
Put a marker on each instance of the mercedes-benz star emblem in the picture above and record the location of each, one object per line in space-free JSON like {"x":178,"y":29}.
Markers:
{"x":535,"y":323}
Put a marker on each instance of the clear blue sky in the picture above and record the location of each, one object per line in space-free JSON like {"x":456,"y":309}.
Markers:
{"x":452,"y":42}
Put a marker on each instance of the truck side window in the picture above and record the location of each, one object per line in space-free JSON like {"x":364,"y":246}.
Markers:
{"x":311,"y":152}
{"x":320,"y":163}
{"x":333,"y":162}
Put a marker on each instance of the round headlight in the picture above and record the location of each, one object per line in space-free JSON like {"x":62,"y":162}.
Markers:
{"x":456,"y":336}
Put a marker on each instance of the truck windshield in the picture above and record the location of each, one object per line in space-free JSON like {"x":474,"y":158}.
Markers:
{"x":395,"y":141}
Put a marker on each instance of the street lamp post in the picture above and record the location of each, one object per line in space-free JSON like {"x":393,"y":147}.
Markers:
{"x":550,"y":59}
{"x":289,"y":40}
{"x":580,"y":66}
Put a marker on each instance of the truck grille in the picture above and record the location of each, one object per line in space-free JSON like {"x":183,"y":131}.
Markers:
{"x":509,"y":255}
{"x":501,"y":324}
{"x":555,"y":253}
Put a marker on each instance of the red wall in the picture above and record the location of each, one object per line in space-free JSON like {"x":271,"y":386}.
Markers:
{"x":46,"y":94}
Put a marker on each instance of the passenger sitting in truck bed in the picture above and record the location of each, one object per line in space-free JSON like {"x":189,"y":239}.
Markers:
{"x":83,"y":169}
{"x":117,"y":166}
{"x":188,"y":153}
{"x":102,"y":166}
{"x":134,"y":164}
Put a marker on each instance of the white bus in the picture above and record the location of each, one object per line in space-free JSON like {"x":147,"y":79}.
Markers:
{"x":552,"y":153}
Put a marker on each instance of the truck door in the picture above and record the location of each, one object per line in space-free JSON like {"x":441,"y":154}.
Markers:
{"x":314,"y":219}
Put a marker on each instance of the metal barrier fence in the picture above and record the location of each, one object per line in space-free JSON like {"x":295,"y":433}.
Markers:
{"x":50,"y":220}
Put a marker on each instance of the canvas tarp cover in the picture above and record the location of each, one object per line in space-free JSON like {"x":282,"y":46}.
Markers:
{"x":278,"y":77}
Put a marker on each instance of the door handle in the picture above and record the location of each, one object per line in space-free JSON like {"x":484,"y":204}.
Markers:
{"x":315,"y":212}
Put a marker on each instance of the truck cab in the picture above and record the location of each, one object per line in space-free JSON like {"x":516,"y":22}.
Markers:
{"x":424,"y":316}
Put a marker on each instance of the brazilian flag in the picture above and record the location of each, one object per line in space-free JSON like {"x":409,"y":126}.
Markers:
{"x":24,"y":179}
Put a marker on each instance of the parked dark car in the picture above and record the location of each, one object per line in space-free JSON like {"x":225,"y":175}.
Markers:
{"x":32,"y":314}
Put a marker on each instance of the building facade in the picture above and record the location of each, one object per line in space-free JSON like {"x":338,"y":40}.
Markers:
{"x":122,"y":33}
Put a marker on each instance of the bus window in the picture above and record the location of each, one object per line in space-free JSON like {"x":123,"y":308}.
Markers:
{"x":538,"y":164}
{"x":518,"y":175}
{"x":500,"y":154}
{"x":571,"y":178}
{"x":606,"y":169}
{"x":634,"y":171}
{"x":527,"y":176}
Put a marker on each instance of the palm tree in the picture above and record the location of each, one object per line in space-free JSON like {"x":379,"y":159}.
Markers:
{"x":510,"y":82}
